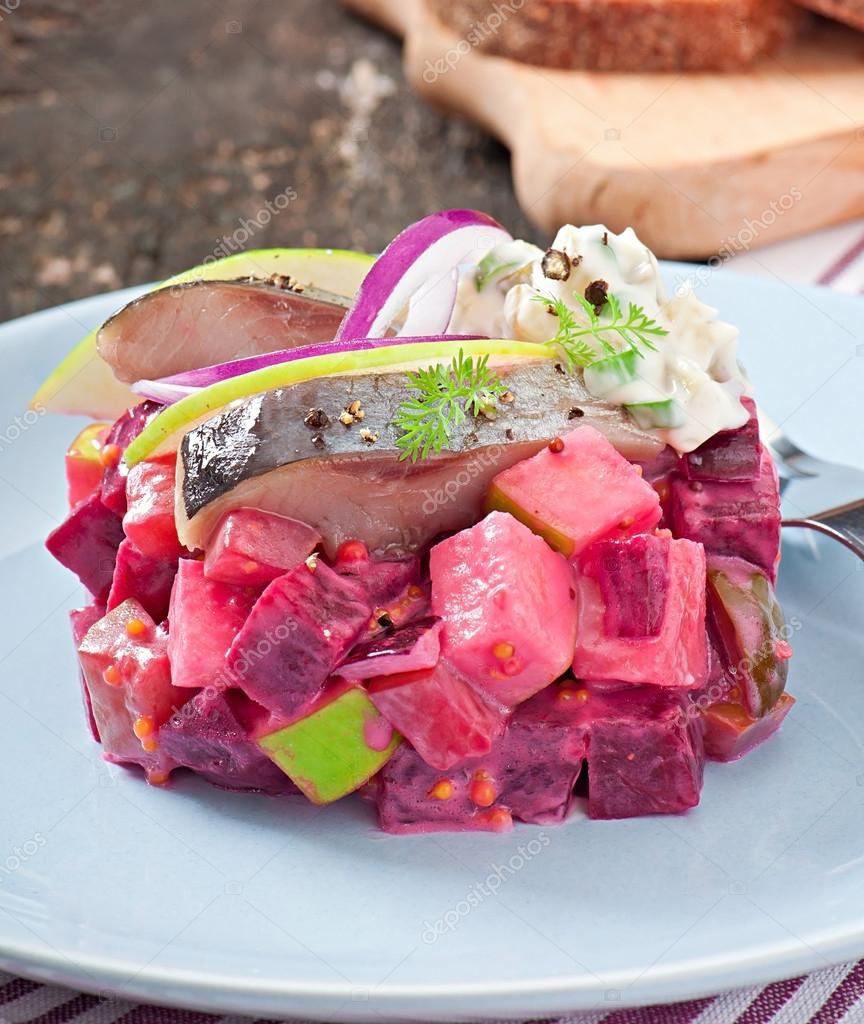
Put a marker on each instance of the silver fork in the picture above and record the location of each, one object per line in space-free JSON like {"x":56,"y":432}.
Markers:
{"x":809,"y":484}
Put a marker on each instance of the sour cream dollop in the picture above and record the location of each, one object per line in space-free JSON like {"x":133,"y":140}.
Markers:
{"x":693,"y":371}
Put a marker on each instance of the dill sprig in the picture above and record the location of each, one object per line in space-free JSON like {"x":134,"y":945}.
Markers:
{"x":443,"y":396}
{"x":573,"y":334}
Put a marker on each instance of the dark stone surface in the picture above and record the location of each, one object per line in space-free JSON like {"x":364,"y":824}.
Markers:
{"x":133,"y":137}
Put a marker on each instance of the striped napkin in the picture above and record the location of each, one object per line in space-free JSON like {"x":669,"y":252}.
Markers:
{"x":834,"y":258}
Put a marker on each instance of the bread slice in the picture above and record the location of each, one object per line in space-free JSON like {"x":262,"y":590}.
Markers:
{"x":850,"y":11}
{"x":626,"y":35}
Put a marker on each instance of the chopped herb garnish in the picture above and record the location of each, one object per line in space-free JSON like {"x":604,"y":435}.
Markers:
{"x":573,"y":334}
{"x":444,"y":396}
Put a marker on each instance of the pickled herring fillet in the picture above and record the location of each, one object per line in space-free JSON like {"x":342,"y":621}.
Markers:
{"x":287,"y":451}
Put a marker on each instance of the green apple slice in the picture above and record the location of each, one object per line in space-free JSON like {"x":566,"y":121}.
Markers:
{"x":83,"y":383}
{"x":330,"y":752}
{"x":163,"y":432}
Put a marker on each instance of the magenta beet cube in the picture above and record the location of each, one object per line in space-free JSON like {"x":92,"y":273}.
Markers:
{"x":203,"y":619}
{"x":529,"y":774}
{"x":673,"y":651}
{"x":81,"y":619}
{"x":412,"y":648}
{"x":645,"y":753}
{"x":86,"y":542}
{"x":124,"y":658}
{"x":383,"y":581}
{"x":729,"y":455}
{"x":413,"y":797}
{"x":149,"y":518}
{"x":299,"y":630}
{"x":143,"y":577}
{"x":252,"y":548}
{"x":508,"y":605}
{"x":120,"y":436}
{"x":211,"y":736}
{"x":633,"y":576}
{"x":541,"y":755}
{"x":732,"y":518}
{"x":440,"y":714}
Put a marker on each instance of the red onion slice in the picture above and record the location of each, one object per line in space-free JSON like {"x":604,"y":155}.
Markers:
{"x":429,"y":250}
{"x":171,"y":389}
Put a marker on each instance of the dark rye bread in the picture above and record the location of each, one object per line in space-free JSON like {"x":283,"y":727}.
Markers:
{"x":624,"y":35}
{"x":850,"y":11}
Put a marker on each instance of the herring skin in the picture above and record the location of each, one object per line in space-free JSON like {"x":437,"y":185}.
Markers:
{"x":350,"y":481}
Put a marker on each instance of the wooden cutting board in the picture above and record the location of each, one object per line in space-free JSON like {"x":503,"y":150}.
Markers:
{"x":701,"y":164}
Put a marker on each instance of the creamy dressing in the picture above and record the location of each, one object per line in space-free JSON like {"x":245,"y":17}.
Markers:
{"x":694,"y":369}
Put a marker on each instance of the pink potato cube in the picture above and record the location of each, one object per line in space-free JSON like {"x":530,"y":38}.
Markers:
{"x":203,"y":618}
{"x":578,"y":493}
{"x":252,"y":548}
{"x":673,"y":651}
{"x":508,"y":604}
{"x":440,"y":714}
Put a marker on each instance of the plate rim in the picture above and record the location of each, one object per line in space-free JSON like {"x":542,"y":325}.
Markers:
{"x":683,"y":979}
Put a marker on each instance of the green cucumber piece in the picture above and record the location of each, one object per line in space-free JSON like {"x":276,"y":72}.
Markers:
{"x":613,"y":371}
{"x":335,"y":748}
{"x":663,"y":415}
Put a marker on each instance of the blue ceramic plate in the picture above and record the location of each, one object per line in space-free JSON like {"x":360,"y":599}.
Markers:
{"x":247,"y":904}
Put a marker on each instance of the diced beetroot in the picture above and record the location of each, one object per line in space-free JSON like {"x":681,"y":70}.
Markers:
{"x":252,"y":548}
{"x":541,"y":755}
{"x":83,"y":463}
{"x":383,"y":581}
{"x":729,"y":455}
{"x":124,"y":658}
{"x":645,"y":753}
{"x":439,"y":713}
{"x":633,"y":576}
{"x":753,"y":638}
{"x":149,"y":518}
{"x":730,"y":732}
{"x":210,"y":735}
{"x":299,"y":630}
{"x":676,"y":655}
{"x":659,"y":473}
{"x":120,"y":436}
{"x":577,"y":494}
{"x":415,"y":647}
{"x":142,"y":577}
{"x":81,"y":620}
{"x":732,"y":518}
{"x":203,"y":619}
{"x":413,"y":797}
{"x":529,"y":774}
{"x":508,"y":605}
{"x":87,"y":542}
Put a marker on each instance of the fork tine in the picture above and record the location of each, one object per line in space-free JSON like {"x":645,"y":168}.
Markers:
{"x":845,"y":524}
